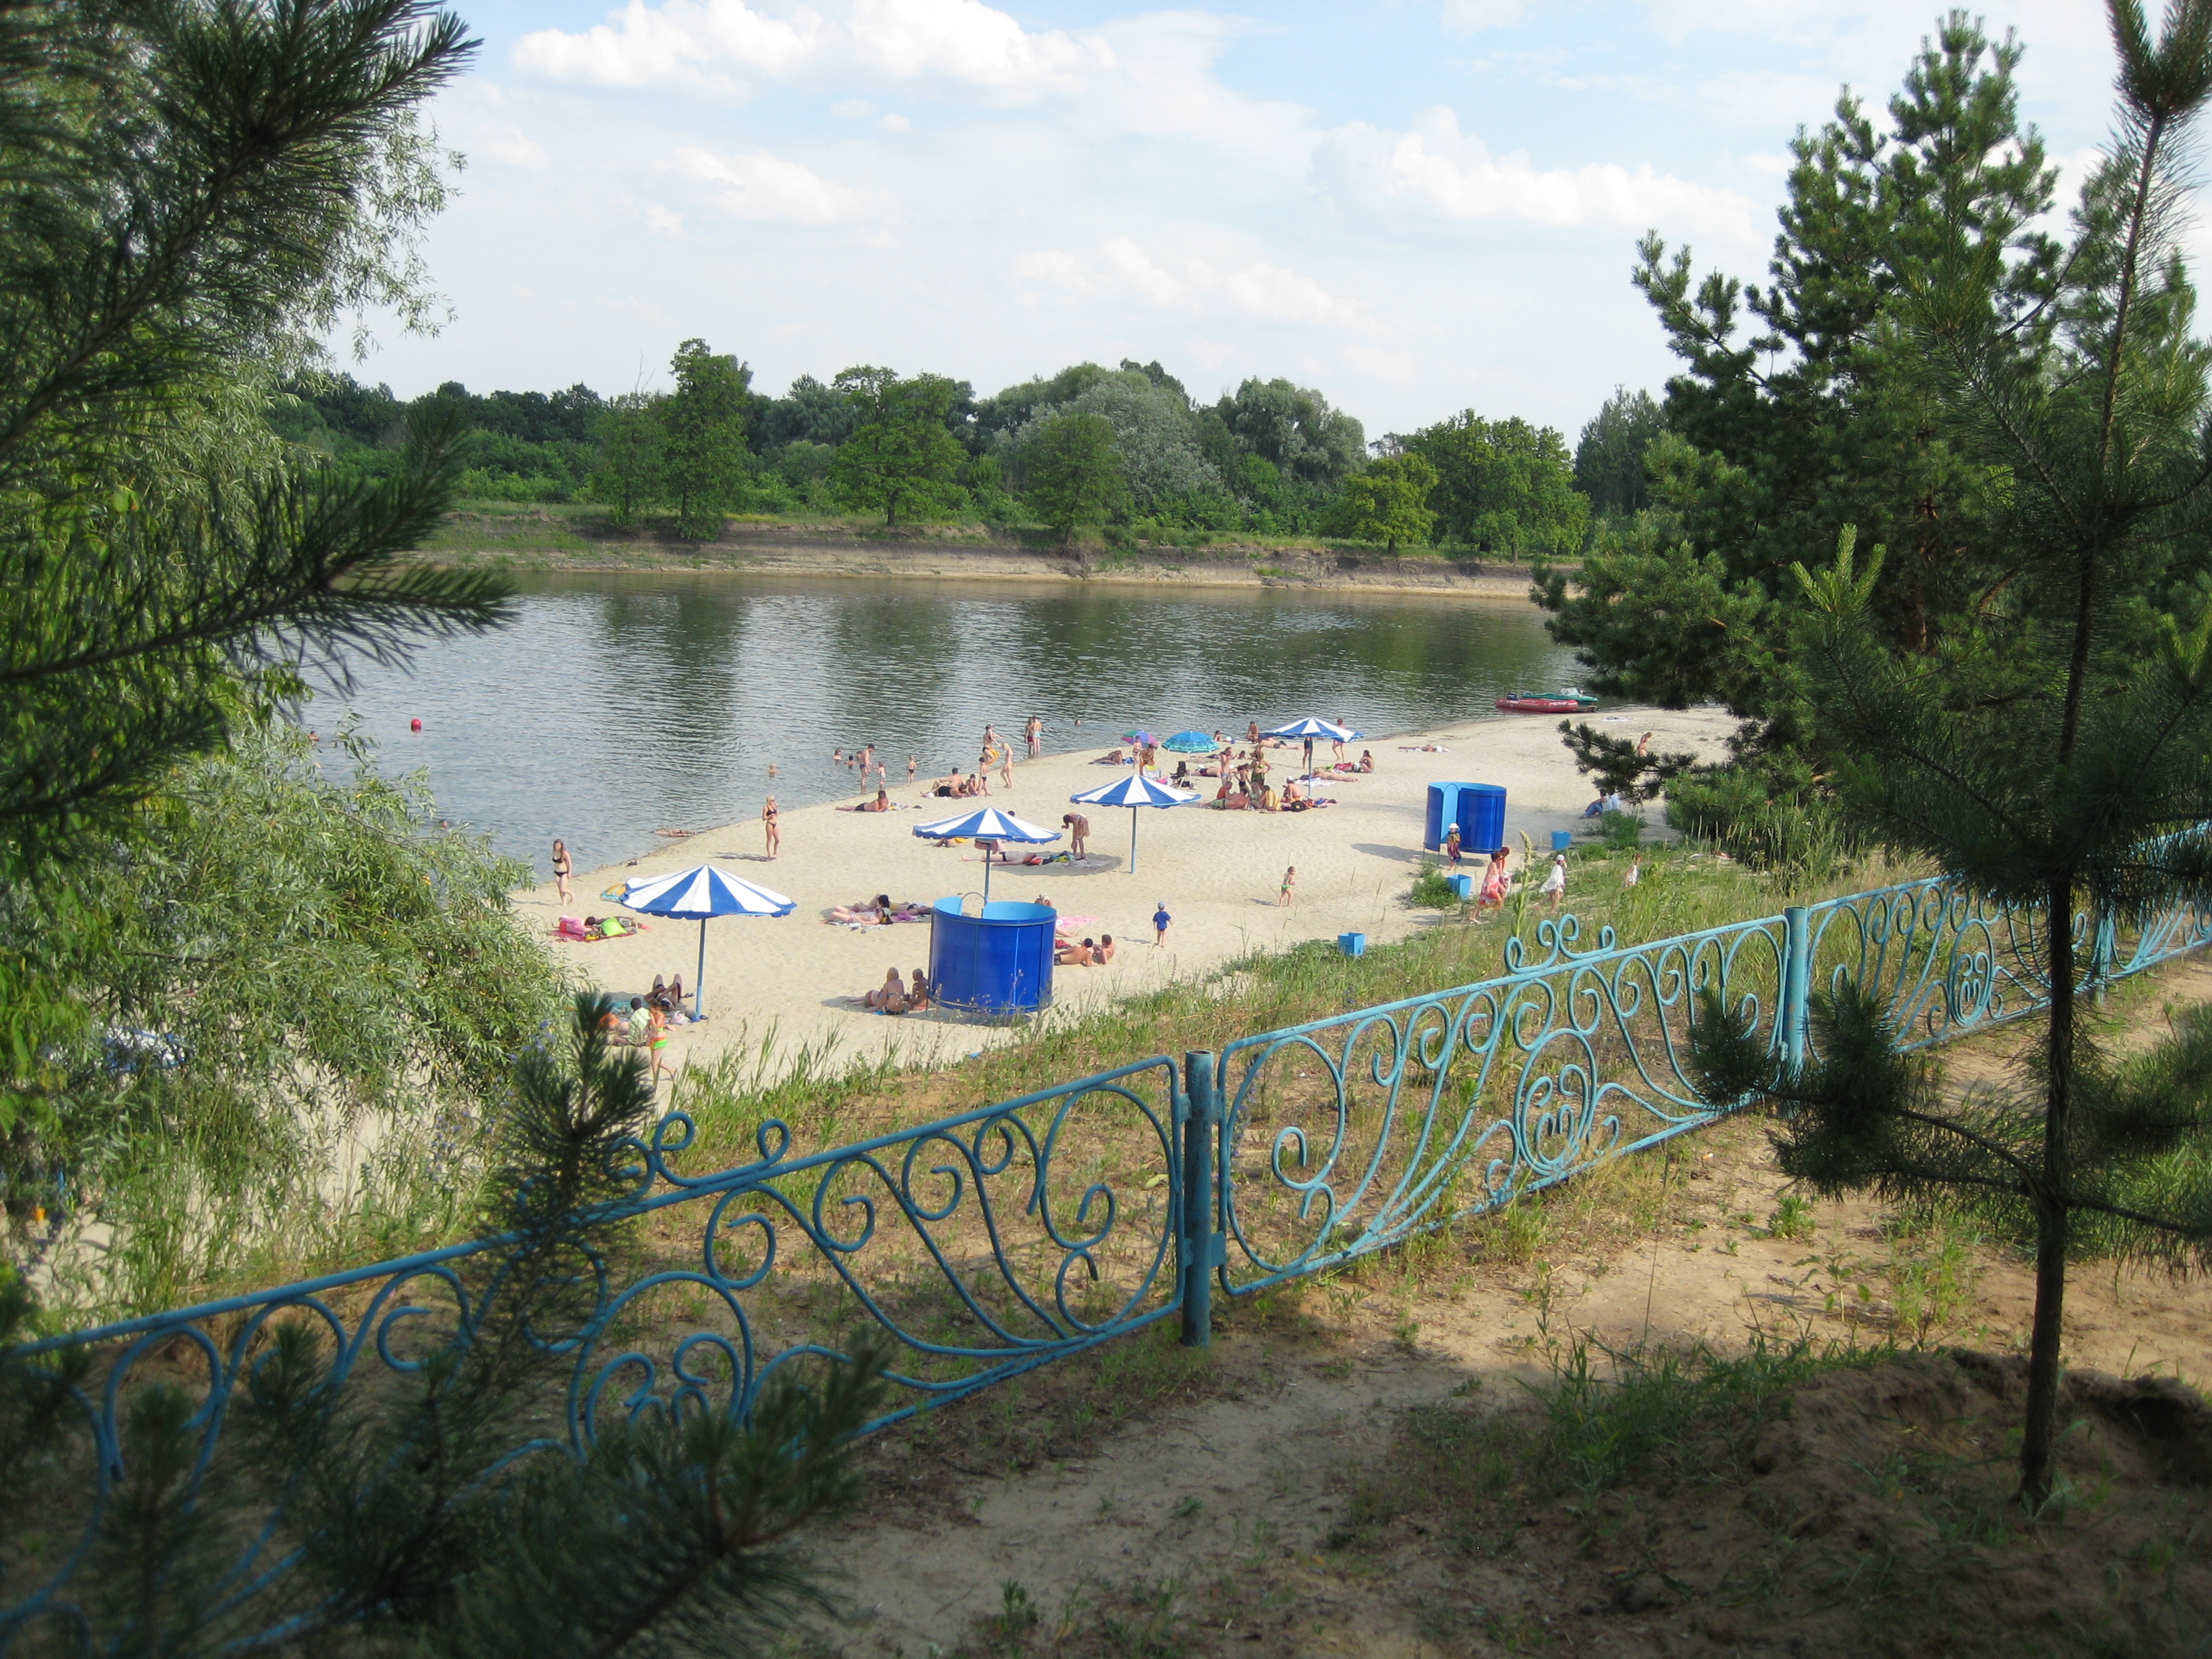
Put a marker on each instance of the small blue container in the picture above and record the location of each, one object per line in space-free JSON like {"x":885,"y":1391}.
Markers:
{"x":1562,"y":840}
{"x":1352,"y":944}
{"x":1462,"y":885}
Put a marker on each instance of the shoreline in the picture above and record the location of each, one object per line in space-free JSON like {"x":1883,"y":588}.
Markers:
{"x":781,"y":991}
{"x":749,"y":551}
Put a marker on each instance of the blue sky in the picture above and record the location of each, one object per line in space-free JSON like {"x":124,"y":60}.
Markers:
{"x":1418,"y":208}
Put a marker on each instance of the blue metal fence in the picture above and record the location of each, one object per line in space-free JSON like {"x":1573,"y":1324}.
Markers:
{"x":994,"y":1241}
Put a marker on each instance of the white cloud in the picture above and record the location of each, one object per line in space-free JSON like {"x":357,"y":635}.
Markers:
{"x":895,"y":124}
{"x":1270,"y":293}
{"x":719,"y":45}
{"x":1437,"y":169}
{"x":767,"y":189}
{"x":688,"y":42}
{"x":854,"y":109}
{"x":1167,"y":88}
{"x":663,"y":221}
{"x":1472,"y":17}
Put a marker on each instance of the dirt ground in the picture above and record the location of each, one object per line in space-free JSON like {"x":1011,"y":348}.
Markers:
{"x":1266,"y":1497}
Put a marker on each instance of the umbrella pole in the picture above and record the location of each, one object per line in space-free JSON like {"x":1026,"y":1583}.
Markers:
{"x":986,"y":878}
{"x":697,"y":979}
{"x":1133,"y":840}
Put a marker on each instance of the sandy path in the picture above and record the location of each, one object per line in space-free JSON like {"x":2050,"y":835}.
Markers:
{"x":1217,"y":871}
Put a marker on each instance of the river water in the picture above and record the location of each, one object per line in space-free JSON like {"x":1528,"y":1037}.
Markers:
{"x":617,"y":704}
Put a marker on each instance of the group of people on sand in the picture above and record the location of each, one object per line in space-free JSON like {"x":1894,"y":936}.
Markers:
{"x":878,"y":911}
{"x":1090,"y":953}
{"x":644,"y":1025}
{"x":896,"y":996}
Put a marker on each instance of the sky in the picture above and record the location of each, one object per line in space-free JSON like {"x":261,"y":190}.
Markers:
{"x":1417,"y":208}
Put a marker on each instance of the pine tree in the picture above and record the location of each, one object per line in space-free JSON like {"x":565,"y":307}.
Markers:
{"x":2051,"y":748}
{"x":405,"y":1518}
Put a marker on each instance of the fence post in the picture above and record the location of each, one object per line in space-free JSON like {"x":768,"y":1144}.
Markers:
{"x":1196,"y":1247}
{"x":1796,"y":984}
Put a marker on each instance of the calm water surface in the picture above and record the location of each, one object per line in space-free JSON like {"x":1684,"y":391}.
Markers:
{"x":616,"y":704}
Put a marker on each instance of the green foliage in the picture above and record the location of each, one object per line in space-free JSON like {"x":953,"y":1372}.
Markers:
{"x":327,"y":964}
{"x":1808,"y":405}
{"x":1073,"y":472}
{"x":1388,"y":503}
{"x":1621,"y":831}
{"x":628,"y":475}
{"x":1609,"y":454}
{"x":1503,"y":486}
{"x":410,"y":1524}
{"x":704,"y":463}
{"x":155,"y":538}
{"x":1615,"y":764}
{"x":1768,"y":817}
{"x":1432,"y":888}
{"x":900,"y":455}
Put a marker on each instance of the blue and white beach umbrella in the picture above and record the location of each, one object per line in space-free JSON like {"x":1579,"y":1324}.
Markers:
{"x":985,"y":823}
{"x":1133,"y":792}
{"x":704,"y":892}
{"x":1310,"y":728}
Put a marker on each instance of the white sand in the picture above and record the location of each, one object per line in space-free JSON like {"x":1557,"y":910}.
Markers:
{"x":1218,"y":873}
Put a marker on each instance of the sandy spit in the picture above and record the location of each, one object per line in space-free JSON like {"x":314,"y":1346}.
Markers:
{"x":795,"y":980}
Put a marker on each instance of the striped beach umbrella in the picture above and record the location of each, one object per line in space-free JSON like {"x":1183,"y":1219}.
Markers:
{"x":1133,"y":792}
{"x":986,"y":823}
{"x":704,"y":892}
{"x":1310,"y":728}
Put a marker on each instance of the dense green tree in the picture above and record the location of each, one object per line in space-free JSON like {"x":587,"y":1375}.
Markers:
{"x":1389,"y":502}
{"x":704,"y":462}
{"x":1802,"y":406}
{"x":999,"y":416}
{"x":2052,"y":746}
{"x":1503,"y":486}
{"x":1294,"y":429}
{"x":1152,"y":428}
{"x":630,"y":477}
{"x":202,"y":190}
{"x":902,"y":455}
{"x":1609,"y":454}
{"x":808,"y":412}
{"x":1073,"y":472}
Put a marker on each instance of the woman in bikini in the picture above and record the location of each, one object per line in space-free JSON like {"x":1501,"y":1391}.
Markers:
{"x":769,"y":814}
{"x":561,"y":870}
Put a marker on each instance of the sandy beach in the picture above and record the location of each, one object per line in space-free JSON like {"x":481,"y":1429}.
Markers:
{"x":1218,"y":872}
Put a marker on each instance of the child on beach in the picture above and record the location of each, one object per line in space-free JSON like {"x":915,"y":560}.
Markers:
{"x":1555,"y":882}
{"x":1452,"y":846}
{"x":1160,"y":919}
{"x":1290,"y":877}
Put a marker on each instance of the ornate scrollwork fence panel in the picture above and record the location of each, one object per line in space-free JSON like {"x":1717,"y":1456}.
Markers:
{"x":983,"y":1245}
{"x":1348,"y":1134}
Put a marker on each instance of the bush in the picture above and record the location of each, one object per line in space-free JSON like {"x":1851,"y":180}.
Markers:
{"x":1621,"y":831}
{"x":1764,"y":821}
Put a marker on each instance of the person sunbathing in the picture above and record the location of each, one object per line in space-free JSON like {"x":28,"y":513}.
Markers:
{"x":889,"y":997}
{"x":1367,"y":760}
{"x":882,"y":803}
{"x":948,"y":786}
{"x":1104,"y":952}
{"x":1269,"y":802}
{"x":1292,"y":792}
{"x":917,"y":995}
{"x":1182,"y":772}
{"x":1075,"y":956}
{"x":1114,"y":759}
{"x":867,"y":911}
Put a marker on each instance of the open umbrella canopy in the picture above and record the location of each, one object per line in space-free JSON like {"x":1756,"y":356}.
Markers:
{"x":1138,"y":736}
{"x":986,"y":823}
{"x":1191,"y":743}
{"x":1135,"y":790}
{"x":1309,"y":727}
{"x":705,"y":891}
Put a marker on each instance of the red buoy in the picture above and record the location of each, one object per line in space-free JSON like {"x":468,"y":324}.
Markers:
{"x":414,"y":725}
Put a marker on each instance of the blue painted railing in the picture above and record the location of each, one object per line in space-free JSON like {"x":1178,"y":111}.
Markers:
{"x":994,"y":1241}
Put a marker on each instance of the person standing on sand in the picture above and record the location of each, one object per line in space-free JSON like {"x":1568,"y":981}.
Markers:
{"x":562,"y":868}
{"x":1336,"y":744}
{"x":1452,"y":846}
{"x":1290,"y":879}
{"x":1079,"y":832}
{"x":769,"y":815}
{"x":1006,"y":765}
{"x":983,"y":772}
{"x":1160,"y":921}
{"x":1494,"y":880}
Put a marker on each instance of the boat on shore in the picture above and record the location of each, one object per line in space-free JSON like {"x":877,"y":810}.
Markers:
{"x":1569,"y":700}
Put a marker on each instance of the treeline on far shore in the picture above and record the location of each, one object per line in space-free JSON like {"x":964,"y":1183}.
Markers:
{"x":1126,"y":449}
